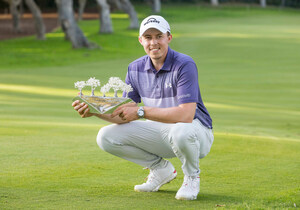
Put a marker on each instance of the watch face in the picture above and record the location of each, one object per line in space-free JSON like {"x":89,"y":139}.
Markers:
{"x":140,"y":112}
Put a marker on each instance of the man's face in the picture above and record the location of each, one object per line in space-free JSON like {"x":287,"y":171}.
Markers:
{"x":155,"y":44}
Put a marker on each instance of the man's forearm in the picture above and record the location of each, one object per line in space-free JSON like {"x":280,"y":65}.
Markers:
{"x":183,"y":113}
{"x":107,"y":117}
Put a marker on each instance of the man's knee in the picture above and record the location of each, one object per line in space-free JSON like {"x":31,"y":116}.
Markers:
{"x":181,"y":134}
{"x":103,"y":138}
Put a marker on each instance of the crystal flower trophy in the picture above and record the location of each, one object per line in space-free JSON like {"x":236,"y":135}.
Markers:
{"x":103,"y":104}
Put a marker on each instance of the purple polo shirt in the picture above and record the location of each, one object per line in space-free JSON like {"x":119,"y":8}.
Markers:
{"x":174,"y":84}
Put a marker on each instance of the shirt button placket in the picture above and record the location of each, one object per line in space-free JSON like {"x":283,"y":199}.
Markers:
{"x":157,"y":86}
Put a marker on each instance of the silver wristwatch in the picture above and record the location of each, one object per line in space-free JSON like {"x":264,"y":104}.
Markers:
{"x":141,"y":112}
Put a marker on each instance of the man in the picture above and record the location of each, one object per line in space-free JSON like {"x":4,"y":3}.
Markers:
{"x":177,"y":125}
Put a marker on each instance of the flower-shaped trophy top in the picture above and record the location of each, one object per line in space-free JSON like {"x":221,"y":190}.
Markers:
{"x":105,"y":89}
{"x":93,"y":83}
{"x":114,"y":82}
{"x":80,"y":85}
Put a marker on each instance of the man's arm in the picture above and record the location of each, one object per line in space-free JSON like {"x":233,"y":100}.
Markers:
{"x":183,"y":113}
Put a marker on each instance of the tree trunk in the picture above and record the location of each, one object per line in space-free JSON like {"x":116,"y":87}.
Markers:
{"x":39,"y":24}
{"x":82,"y":4}
{"x":104,"y":15}
{"x":214,"y":2}
{"x":15,"y":14}
{"x":263,"y":3}
{"x":282,"y":3}
{"x":114,"y":5}
{"x":68,"y":24}
{"x":129,"y":9}
{"x":156,"y":6}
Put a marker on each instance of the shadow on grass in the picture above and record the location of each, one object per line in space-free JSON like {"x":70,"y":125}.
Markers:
{"x":217,"y":198}
{"x":207,"y":197}
{"x":171,"y":192}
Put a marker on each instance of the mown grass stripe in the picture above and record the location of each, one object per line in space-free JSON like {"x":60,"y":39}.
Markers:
{"x":254,"y":137}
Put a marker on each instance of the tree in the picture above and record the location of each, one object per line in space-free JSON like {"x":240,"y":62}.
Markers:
{"x":116,"y":84}
{"x":82,"y":4}
{"x":263,"y":3}
{"x":80,"y":85}
{"x":156,"y":6}
{"x":15,"y":13}
{"x":69,"y":26}
{"x":127,"y":7}
{"x":214,"y":2}
{"x":104,"y":13}
{"x":39,"y":24}
{"x":93,"y":83}
{"x":36,"y":13}
{"x":104,"y":16}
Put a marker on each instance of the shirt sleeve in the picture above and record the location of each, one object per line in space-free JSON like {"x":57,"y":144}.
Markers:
{"x":134,"y":95}
{"x":187,"y":85}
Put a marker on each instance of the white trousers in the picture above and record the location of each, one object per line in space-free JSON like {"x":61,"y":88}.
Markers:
{"x":147,"y":142}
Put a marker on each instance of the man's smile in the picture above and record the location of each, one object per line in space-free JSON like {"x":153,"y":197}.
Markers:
{"x":154,"y":49}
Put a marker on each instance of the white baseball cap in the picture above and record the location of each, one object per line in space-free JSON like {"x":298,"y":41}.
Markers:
{"x":154,"y":21}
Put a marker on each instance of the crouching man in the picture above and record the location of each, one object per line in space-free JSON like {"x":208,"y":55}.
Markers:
{"x":177,"y":122}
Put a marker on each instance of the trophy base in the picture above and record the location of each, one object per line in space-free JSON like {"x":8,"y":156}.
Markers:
{"x":102,"y":105}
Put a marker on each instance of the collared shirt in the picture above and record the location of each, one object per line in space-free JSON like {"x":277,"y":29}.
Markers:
{"x":174,"y":84}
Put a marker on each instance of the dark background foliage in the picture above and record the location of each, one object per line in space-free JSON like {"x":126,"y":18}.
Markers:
{"x":49,"y":5}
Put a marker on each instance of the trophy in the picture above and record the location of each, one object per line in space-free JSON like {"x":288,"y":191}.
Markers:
{"x":103,"y":104}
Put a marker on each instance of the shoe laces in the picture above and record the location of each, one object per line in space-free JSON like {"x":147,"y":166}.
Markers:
{"x":152,"y":176}
{"x":190,"y":181}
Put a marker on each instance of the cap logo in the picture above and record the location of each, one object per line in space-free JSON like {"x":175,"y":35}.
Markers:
{"x":151,"y":20}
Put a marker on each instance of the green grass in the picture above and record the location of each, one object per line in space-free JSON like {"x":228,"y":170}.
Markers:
{"x":248,"y":61}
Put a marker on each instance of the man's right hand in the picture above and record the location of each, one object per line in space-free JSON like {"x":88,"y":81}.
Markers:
{"x":82,"y":109}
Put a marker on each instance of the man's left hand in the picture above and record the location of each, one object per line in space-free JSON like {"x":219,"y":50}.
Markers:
{"x":127,"y":112}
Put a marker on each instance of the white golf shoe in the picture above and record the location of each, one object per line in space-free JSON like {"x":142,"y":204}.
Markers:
{"x":157,"y":178}
{"x":189,"y":189}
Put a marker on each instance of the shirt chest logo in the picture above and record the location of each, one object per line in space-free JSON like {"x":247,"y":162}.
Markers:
{"x":168,"y":85}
